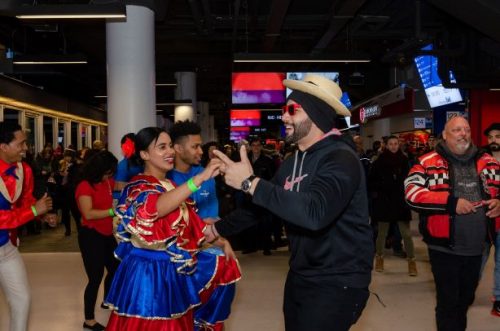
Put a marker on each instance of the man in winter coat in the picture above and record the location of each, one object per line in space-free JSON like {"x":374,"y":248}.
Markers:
{"x":386,"y":184}
{"x":320,"y":193}
{"x":456,"y":191}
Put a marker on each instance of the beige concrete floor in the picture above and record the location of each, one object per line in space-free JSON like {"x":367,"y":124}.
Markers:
{"x":58,"y":280}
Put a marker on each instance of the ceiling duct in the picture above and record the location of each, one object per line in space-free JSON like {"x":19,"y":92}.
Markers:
{"x":67,"y":11}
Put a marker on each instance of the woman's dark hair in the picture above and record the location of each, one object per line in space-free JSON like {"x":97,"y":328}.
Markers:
{"x":91,"y":152}
{"x":143,"y":139}
{"x":129,"y":135}
{"x":98,"y":165}
{"x":128,"y":157}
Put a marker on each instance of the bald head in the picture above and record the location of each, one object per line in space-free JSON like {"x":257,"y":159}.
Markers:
{"x":456,"y":135}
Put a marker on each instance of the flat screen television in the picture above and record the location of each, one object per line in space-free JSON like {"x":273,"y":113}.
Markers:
{"x":346,"y":100}
{"x":238,"y":133}
{"x":257,"y":88}
{"x":299,"y":75}
{"x":255,"y":122}
{"x":437,"y":95}
{"x":245,"y":117}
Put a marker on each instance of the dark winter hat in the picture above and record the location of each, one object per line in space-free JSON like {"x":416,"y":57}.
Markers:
{"x":494,"y":126}
{"x":318,"y":111}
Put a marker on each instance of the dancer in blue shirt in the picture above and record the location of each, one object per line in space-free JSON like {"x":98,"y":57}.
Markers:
{"x":186,"y":137}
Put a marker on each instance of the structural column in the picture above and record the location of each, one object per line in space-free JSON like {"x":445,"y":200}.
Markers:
{"x":204,"y":120}
{"x":130,"y":56}
{"x":381,"y":127}
{"x":186,"y":90}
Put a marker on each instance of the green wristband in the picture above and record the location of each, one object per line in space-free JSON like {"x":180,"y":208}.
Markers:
{"x":111,"y":212}
{"x":191,"y":185}
{"x":33,"y":209}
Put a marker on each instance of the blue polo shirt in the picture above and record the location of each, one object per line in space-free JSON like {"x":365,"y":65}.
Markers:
{"x":205,"y":197}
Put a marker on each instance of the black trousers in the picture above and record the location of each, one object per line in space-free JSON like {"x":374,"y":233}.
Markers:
{"x":456,"y":278}
{"x":97,"y":253}
{"x":313,"y":304}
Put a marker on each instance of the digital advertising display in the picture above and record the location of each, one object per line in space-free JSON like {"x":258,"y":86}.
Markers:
{"x":437,"y":95}
{"x":257,"y":88}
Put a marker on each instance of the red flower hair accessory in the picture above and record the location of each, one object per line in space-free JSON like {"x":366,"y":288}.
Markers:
{"x":128,"y":148}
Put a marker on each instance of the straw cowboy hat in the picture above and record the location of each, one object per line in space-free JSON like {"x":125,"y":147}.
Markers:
{"x":322,"y":88}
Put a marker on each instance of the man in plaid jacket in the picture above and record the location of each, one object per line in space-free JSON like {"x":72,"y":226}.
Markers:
{"x":456,"y":191}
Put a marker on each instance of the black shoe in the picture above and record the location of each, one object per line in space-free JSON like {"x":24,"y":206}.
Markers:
{"x":95,"y":327}
{"x":103,"y":306}
{"x":280,"y":243}
{"x":266,"y":252}
{"x":495,"y":311}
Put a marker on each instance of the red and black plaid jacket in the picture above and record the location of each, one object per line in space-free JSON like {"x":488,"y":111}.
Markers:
{"x":428,"y":190}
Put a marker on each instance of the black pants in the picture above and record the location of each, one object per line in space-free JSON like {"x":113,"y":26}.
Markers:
{"x":66,"y":209}
{"x":97,"y":253}
{"x":313,"y":304}
{"x":456,"y":278}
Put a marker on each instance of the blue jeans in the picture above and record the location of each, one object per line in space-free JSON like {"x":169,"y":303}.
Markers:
{"x":496,"y":272}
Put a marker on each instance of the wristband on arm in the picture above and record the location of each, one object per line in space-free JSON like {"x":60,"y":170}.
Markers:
{"x":33,"y":209}
{"x":192,"y":186}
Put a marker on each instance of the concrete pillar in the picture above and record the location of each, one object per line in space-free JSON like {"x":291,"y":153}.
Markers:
{"x":381,"y":127}
{"x":130,"y":56}
{"x":211,"y":128}
{"x":203,"y":120}
{"x":185,"y":90}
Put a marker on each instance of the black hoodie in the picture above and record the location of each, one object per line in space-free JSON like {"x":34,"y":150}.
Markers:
{"x":321,"y":195}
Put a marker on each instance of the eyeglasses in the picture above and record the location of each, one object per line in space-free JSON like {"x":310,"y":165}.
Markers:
{"x":290,"y":109}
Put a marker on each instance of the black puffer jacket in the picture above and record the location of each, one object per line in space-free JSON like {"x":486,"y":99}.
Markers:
{"x":386,"y":185}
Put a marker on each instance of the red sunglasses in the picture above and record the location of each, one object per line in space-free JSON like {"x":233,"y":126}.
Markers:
{"x":290,"y":109}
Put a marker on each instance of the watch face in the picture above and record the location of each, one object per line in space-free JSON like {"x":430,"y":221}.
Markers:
{"x":245,"y":186}
{"x":247,"y":183}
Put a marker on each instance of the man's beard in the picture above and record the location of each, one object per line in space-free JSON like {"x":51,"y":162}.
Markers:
{"x":463,"y":146}
{"x":300,"y":130}
{"x":494,"y":147}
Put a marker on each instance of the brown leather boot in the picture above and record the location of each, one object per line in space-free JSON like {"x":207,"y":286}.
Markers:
{"x":412,"y":268}
{"x":379,"y":263}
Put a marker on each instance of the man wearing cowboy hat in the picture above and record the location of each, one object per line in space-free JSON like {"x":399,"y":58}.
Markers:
{"x":321,"y":195}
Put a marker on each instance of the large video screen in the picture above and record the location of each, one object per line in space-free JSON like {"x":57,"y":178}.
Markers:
{"x":258,"y":88}
{"x":245,"y":117}
{"x":238,"y":133}
{"x":427,"y":67}
{"x":245,"y":123}
{"x":346,"y":100}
